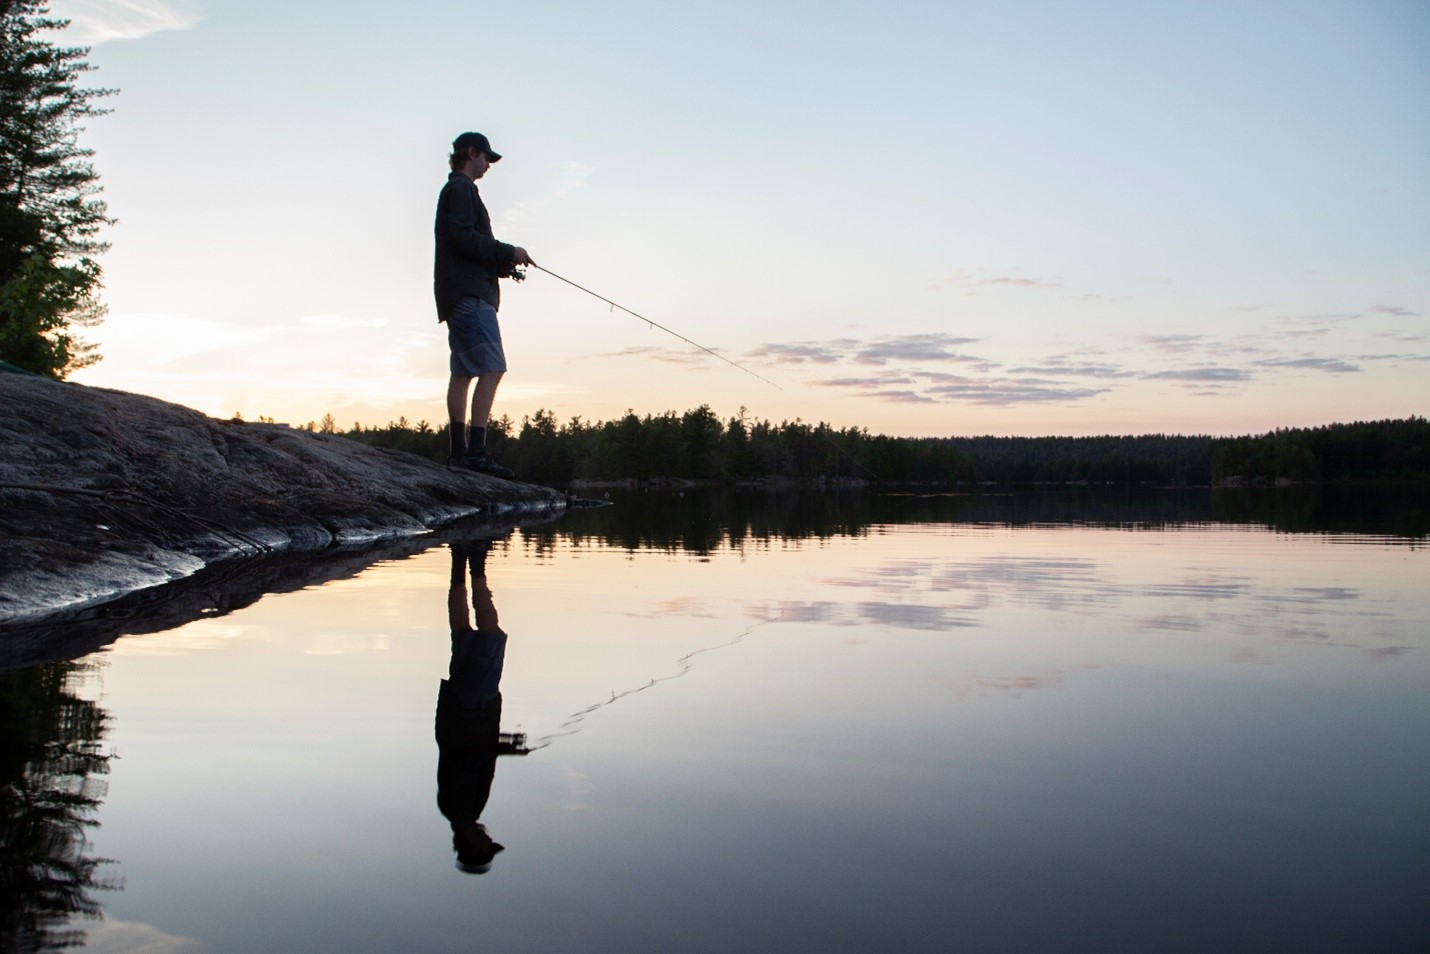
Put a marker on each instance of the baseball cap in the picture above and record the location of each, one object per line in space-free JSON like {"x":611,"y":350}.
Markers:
{"x":475,"y":140}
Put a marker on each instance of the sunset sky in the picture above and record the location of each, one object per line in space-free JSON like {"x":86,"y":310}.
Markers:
{"x":921,"y":218}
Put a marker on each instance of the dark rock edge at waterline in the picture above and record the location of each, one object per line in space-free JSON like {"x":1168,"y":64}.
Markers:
{"x":104,"y":492}
{"x":225,"y":587}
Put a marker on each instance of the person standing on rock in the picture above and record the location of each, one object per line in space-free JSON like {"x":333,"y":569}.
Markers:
{"x":469,"y":262}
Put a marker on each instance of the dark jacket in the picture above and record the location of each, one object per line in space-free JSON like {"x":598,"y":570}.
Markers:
{"x":469,"y":258}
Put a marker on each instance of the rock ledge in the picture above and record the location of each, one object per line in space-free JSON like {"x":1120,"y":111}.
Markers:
{"x":104,"y":492}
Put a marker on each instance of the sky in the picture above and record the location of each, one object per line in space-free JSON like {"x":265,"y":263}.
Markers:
{"x":919,"y":218}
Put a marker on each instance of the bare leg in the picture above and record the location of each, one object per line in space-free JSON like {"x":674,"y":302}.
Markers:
{"x":474,"y":455}
{"x":457,"y":399}
{"x":483,"y":396}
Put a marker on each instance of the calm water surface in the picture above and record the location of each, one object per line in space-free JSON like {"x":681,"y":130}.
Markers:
{"x":899,"y":724}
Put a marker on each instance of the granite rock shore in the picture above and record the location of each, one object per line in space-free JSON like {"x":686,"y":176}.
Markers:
{"x":103,"y":493}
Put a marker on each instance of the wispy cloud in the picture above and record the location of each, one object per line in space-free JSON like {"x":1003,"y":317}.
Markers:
{"x":685,"y":357}
{"x":1010,"y":391}
{"x":988,"y":278}
{"x":1300,"y":332}
{"x":93,"y":22}
{"x":1172,"y":344}
{"x":1201,"y":375}
{"x":939,"y":387}
{"x":1332,"y":365}
{"x":812,"y":352}
{"x":572,"y":176}
{"x":1394,"y":311}
{"x":923,"y":347}
{"x":1393,"y":357}
{"x":567,"y":178}
{"x":931,"y":368}
{"x":149,"y":341}
{"x":900,"y":397}
{"x":1321,"y":319}
{"x":878,"y":381}
{"x":906,"y":349}
{"x":1060,"y":369}
{"x":1015,"y":281}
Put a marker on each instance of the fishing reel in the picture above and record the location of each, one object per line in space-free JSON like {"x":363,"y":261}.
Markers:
{"x":512,"y":272}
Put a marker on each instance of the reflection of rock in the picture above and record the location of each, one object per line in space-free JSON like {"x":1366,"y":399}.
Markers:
{"x":103,"y":493}
{"x":213,"y":591}
{"x":107,"y":934}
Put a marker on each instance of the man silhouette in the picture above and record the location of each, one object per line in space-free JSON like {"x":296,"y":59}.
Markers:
{"x":469,"y":261}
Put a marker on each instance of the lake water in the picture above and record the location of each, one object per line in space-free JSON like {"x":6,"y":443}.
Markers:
{"x":814,"y":722}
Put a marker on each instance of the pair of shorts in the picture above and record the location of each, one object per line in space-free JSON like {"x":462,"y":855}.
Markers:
{"x":475,"y":339}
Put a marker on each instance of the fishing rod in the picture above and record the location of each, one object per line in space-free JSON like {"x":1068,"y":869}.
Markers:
{"x":656,"y":324}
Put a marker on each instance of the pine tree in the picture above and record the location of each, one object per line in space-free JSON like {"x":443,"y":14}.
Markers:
{"x":50,"y":215}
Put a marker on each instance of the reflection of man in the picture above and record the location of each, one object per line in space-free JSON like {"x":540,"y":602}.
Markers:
{"x":469,"y":735}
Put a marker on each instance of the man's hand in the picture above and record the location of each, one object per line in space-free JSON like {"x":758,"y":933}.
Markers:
{"x":521,"y":258}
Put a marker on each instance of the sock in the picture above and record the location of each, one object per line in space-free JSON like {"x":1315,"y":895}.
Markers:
{"x":457,"y":439}
{"x":459,"y":563}
{"x":477,"y":441}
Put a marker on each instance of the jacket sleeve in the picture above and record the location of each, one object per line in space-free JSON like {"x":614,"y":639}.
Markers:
{"x":458,"y":229}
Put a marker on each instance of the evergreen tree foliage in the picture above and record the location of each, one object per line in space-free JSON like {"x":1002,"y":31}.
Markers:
{"x":1393,"y":450}
{"x":1168,"y":459}
{"x":698,"y":445}
{"x":50,"y":215}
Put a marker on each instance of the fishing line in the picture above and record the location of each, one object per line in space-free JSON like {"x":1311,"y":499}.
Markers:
{"x":656,"y":324}
{"x":693,"y":344}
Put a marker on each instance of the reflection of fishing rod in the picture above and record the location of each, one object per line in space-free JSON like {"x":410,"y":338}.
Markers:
{"x":572,"y":725}
{"x":654,"y":324}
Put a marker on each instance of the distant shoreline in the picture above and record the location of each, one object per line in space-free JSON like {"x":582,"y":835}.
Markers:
{"x":698,"y":446}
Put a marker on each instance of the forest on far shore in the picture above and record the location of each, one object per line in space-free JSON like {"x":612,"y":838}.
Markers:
{"x":699,"y":445}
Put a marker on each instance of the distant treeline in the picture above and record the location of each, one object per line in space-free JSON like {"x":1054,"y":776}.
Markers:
{"x":695,"y":445}
{"x":1365,"y":450}
{"x":698,"y":445}
{"x":1163,"y":459}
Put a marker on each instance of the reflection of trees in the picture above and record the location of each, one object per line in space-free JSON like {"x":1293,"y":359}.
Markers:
{"x":1401,"y":510}
{"x":706,"y":519}
{"x":49,"y":759}
{"x":703,"y":520}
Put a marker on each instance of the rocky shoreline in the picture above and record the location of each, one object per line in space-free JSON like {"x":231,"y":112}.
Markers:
{"x":103,"y":493}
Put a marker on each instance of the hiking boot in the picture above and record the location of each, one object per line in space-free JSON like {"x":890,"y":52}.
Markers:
{"x":484,"y":464}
